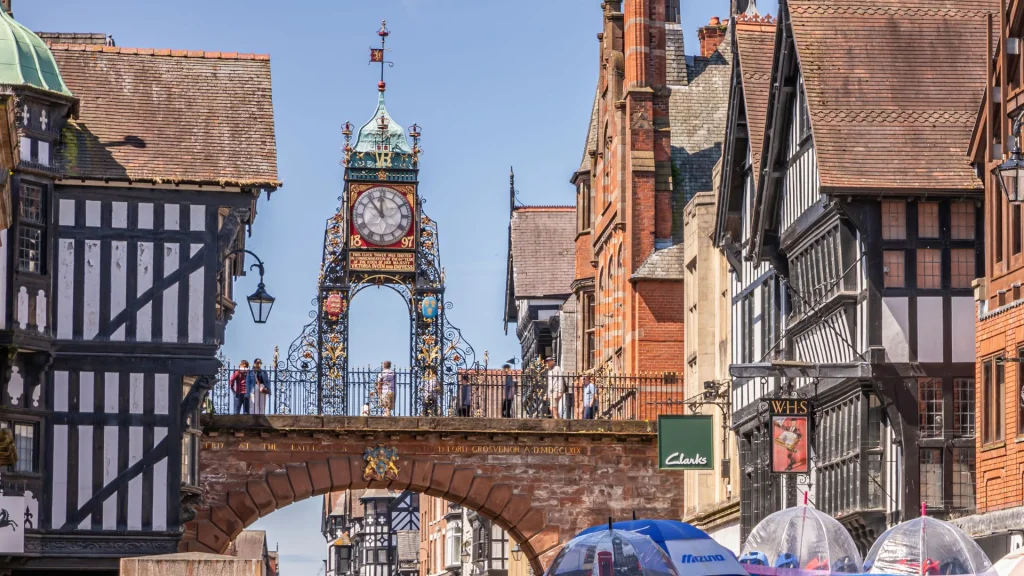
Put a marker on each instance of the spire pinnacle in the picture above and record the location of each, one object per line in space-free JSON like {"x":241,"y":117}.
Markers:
{"x":377,"y":54}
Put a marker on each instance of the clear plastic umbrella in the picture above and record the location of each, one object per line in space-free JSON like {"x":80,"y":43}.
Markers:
{"x":800,"y":539}
{"x":612,"y":553}
{"x":926,"y":546}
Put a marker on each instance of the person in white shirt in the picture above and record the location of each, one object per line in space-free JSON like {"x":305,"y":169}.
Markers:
{"x":386,"y":388}
{"x":556,"y":389}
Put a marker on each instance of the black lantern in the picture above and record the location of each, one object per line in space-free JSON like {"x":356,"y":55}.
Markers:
{"x":465,"y":553}
{"x":260,"y":301}
{"x":1011,"y":172}
{"x":517,"y":552}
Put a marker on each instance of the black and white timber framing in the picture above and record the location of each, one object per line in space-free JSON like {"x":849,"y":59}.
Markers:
{"x":814,"y":313}
{"x":135,"y":280}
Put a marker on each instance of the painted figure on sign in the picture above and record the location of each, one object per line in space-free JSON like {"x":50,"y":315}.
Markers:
{"x":386,"y":388}
{"x":28,"y":518}
{"x":259,"y":387}
{"x":237,"y":383}
{"x":6,"y":522}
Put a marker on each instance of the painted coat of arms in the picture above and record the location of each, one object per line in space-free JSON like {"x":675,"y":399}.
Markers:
{"x":381,"y":463}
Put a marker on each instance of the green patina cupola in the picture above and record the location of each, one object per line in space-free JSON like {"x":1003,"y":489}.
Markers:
{"x":25,"y":60}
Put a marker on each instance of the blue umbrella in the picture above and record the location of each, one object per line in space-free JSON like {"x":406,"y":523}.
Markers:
{"x":692,"y":551}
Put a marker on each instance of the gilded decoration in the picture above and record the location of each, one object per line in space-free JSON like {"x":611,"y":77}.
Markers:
{"x":381,"y":464}
{"x":317,"y":366}
{"x":8,"y":451}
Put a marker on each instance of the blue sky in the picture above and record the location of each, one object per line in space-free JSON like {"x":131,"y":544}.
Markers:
{"x":492,"y":83}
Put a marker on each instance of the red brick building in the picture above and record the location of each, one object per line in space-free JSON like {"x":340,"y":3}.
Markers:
{"x":1000,"y":325}
{"x":655,"y":135}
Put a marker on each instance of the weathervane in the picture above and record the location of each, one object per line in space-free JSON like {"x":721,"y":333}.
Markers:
{"x":377,"y":54}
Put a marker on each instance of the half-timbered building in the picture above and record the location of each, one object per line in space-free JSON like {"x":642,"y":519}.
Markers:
{"x":854,"y":242}
{"x":136,"y":171}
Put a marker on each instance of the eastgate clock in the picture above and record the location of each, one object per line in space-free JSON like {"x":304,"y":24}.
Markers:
{"x":382,"y":216}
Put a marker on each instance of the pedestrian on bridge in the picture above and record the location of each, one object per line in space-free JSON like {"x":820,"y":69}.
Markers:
{"x":509,"y":393}
{"x":556,"y":389}
{"x":258,"y":386}
{"x":237,"y":384}
{"x":465,"y":396}
{"x":386,"y":388}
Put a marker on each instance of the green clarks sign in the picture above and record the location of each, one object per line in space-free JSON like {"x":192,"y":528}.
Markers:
{"x":686,"y":443}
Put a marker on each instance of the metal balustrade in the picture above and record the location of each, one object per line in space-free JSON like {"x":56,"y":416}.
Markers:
{"x":486,"y":394}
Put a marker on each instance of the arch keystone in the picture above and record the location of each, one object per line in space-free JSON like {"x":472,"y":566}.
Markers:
{"x":280,"y":488}
{"x":478,"y":492}
{"x":224,"y":518}
{"x":531,"y":524}
{"x":319,"y":477}
{"x":496,"y":501}
{"x":243,"y":506}
{"x":261,"y":496}
{"x":440,"y":479}
{"x":298,"y":477}
{"x":341,"y":472}
{"x":422,"y":470}
{"x":462,"y":478}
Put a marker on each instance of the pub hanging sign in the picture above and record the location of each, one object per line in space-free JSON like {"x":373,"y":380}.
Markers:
{"x":790,"y":434}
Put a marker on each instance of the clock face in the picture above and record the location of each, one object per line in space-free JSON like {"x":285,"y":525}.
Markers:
{"x":382,"y":216}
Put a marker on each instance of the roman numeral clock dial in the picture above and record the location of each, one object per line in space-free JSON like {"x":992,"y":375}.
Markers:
{"x":382,"y":216}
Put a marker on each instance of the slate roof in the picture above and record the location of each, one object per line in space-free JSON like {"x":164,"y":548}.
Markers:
{"x":893,"y":88}
{"x":755,"y":47}
{"x":591,"y":143}
{"x":96,"y":38}
{"x":188,"y":117}
{"x":697,"y":115}
{"x":543,"y":251}
{"x":665,"y":264}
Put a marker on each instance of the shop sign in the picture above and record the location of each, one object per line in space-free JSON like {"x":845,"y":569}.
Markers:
{"x":790,"y":420}
{"x":12,"y":532}
{"x":686,"y":443}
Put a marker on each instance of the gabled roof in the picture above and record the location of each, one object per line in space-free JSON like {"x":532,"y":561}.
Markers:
{"x":665,"y":264}
{"x":893,"y":89}
{"x":697,"y":115}
{"x":188,"y":117}
{"x":542,"y":254}
{"x":755,"y":45}
{"x":591,"y":143}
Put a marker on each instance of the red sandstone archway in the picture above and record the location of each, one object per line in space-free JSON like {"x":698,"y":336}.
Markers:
{"x":542,"y":481}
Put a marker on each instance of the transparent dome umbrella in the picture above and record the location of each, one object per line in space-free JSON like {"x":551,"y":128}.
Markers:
{"x":612,"y":553}
{"x":800,"y":538}
{"x":926,"y":545}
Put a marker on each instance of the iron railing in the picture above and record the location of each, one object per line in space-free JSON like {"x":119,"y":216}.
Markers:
{"x":476,"y":393}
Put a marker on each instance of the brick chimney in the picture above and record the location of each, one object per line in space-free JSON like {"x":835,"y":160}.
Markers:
{"x":712,"y":35}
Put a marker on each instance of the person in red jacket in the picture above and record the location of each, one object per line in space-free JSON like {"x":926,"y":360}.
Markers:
{"x":238,"y":388}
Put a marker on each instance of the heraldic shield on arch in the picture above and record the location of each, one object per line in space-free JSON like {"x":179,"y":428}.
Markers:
{"x":379,"y":236}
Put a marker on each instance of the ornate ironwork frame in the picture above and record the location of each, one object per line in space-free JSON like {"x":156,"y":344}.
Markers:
{"x":319,"y":355}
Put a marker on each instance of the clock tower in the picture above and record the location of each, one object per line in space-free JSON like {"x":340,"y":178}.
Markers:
{"x":380,"y":237}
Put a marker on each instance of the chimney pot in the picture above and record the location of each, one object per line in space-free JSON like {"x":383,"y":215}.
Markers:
{"x":711,"y":36}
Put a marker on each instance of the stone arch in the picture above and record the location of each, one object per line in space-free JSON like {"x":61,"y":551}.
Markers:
{"x":215,"y":526}
{"x":540,"y":480}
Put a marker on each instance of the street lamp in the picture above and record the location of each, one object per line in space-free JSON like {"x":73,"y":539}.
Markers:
{"x":517,"y":553}
{"x":260,"y":301}
{"x":465,"y":553}
{"x":1011,"y":172}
